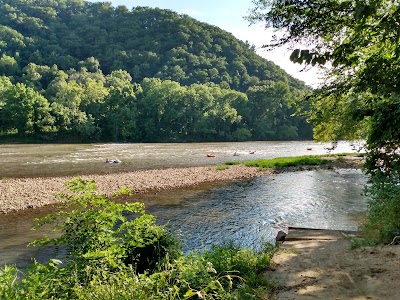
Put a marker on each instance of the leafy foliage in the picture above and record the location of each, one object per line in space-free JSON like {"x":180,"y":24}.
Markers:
{"x":145,"y":42}
{"x":359,"y":40}
{"x":91,"y":62}
{"x":383,"y":221}
{"x":117,"y":251}
{"x":98,"y":233}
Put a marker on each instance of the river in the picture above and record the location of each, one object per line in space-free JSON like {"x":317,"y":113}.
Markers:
{"x":246,"y":212}
{"x":31,"y":160}
{"x":250,"y":212}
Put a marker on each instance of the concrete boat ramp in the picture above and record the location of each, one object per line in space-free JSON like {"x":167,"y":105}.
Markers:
{"x":308,"y":234}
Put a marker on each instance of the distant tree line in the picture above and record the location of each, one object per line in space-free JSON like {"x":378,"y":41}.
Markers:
{"x":75,"y":69}
{"x":93,"y":106}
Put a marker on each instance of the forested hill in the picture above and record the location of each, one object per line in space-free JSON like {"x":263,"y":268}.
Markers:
{"x":48,"y":45}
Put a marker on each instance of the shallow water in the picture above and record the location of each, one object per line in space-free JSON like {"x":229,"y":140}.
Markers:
{"x":247,"y":211}
{"x":22,"y":160}
{"x":252,"y":211}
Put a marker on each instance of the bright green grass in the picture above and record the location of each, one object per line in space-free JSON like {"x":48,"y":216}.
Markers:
{"x":231,"y":163}
{"x":222,"y":167}
{"x":346,"y":154}
{"x":284,"y":162}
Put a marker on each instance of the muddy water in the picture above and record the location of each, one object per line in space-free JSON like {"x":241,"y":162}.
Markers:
{"x":247,"y":212}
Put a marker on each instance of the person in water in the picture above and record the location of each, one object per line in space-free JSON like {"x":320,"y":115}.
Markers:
{"x":115,"y":161}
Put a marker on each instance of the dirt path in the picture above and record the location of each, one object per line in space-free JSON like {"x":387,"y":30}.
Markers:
{"x":318,"y":264}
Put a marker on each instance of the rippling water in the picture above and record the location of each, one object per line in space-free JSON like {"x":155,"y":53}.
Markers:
{"x":249,"y":212}
{"x":246,"y":211}
{"x":19,"y":160}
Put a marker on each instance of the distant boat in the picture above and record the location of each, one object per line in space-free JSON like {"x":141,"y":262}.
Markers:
{"x":235,"y":154}
{"x":252,"y":152}
{"x":211,"y":155}
{"x":309,"y":148}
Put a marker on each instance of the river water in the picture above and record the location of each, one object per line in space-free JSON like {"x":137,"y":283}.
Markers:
{"x":250,"y":212}
{"x":247,"y":212}
{"x":22,"y":160}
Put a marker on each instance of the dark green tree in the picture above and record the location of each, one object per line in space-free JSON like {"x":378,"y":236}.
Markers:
{"x":25,"y":110}
{"x":361,"y":94}
{"x":161,"y":109}
{"x":119,"y":120}
{"x":75,"y":52}
{"x":360,"y":39}
{"x":269,"y":106}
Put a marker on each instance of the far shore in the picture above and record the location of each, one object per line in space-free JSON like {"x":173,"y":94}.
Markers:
{"x":29,"y":193}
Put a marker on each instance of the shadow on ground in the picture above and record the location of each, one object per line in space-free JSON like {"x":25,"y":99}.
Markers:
{"x":319,"y":264}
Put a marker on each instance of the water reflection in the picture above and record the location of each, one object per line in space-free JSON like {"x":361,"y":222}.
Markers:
{"x":243,"y":211}
{"x":250,"y":212}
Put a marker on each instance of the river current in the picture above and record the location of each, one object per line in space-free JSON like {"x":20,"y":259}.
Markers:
{"x":30,"y":160}
{"x":246,"y":212}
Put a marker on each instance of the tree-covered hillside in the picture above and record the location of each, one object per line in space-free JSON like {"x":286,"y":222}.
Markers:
{"x":90,"y":70}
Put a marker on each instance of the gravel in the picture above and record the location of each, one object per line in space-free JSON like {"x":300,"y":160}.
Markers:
{"x":28,"y":193}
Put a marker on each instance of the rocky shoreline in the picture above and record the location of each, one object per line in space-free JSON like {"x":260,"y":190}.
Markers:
{"x":28,"y":193}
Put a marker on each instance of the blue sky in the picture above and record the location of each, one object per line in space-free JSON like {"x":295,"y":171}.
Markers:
{"x":228,"y":15}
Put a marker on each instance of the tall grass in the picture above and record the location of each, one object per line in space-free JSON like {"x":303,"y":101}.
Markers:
{"x":382,"y":224}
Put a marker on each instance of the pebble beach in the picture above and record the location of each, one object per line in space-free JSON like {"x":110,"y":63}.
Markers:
{"x":29,"y":193}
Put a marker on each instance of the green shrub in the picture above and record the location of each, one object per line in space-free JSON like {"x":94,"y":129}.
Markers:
{"x":99,"y":234}
{"x":116,"y":251}
{"x":383,"y":217}
{"x":246,"y":262}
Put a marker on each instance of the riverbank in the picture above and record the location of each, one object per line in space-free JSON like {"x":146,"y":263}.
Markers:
{"x":319,"y":264}
{"x":30,"y":193}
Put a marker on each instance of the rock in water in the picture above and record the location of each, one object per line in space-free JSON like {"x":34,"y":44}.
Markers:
{"x":281,"y":236}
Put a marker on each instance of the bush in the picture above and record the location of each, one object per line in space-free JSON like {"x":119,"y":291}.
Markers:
{"x":116,"y":251}
{"x":383,"y":222}
{"x":98,"y":234}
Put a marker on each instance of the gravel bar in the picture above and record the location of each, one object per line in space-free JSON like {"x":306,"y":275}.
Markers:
{"x":28,"y":193}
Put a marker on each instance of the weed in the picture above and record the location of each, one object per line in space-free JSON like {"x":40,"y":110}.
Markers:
{"x":117,"y":251}
{"x":232,"y":163}
{"x":221,"y":167}
{"x":284,"y":162}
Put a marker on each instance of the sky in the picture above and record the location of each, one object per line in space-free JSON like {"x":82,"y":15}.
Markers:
{"x":228,"y":15}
